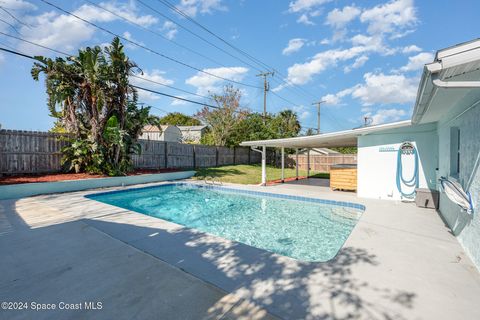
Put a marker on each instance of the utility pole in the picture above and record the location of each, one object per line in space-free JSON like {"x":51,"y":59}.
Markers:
{"x":265,"y":90}
{"x":318,"y":103}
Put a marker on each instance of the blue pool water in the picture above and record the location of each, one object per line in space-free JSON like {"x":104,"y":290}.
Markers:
{"x":304,"y":229}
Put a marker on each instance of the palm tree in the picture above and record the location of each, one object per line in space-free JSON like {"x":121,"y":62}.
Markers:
{"x":91,"y":96}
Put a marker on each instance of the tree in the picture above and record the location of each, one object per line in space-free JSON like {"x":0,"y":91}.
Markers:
{"x":285,"y":124}
{"x":91,"y":97}
{"x":222,"y":120}
{"x":179,"y":119}
{"x":310,"y":132}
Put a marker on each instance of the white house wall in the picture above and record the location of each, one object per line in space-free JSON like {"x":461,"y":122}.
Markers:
{"x":377,"y":160}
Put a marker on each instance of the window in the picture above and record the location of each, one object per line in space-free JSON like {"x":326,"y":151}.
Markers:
{"x":454,"y":151}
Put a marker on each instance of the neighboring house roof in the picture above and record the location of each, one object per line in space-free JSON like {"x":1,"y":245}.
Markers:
{"x":322,"y":151}
{"x":191,"y":128}
{"x":150,"y":128}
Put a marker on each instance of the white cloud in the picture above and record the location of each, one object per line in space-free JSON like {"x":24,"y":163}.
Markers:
{"x":301,"y":73}
{"x":305,"y":5}
{"x":67,"y":33}
{"x":178,"y":102}
{"x":128,"y":10}
{"x":193,"y":7}
{"x":17,"y":5}
{"x":358,"y":63}
{"x":206,"y":84}
{"x":410,"y":49}
{"x":154,"y":75}
{"x":302,"y":112}
{"x":417,"y":62}
{"x":305,"y":20}
{"x":127,"y":35}
{"x":170,"y":29}
{"x":307,"y":9}
{"x":386,"y":115}
{"x":294,"y":45}
{"x":340,"y":18}
{"x":378,"y":88}
{"x":391,"y":17}
{"x":336,"y":99}
{"x":385,"y":89}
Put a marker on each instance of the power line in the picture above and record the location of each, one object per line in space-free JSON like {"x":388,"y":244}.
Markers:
{"x":177,"y":10}
{"x":10,"y":25}
{"x":171,"y":87}
{"x":251,"y":57}
{"x":258,"y":61}
{"x":14,"y":17}
{"x":134,"y":76}
{"x":18,"y":53}
{"x":158,"y":34}
{"x":35,"y":44}
{"x":146,"y":48}
{"x":175,"y":97}
{"x":196,"y":35}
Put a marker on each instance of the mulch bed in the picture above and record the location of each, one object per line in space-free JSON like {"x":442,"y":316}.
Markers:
{"x":273,"y":182}
{"x":53,"y":177}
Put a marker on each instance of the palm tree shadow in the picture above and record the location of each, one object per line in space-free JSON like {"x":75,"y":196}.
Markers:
{"x":287,"y":288}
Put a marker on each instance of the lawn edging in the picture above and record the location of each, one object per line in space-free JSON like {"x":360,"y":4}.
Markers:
{"x":16,"y":191}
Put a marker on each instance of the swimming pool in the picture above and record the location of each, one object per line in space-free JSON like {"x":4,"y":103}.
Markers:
{"x":302,"y":228}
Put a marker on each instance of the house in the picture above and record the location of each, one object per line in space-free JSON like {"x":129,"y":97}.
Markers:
{"x":441,"y":139}
{"x":192,"y":134}
{"x":168,"y":133}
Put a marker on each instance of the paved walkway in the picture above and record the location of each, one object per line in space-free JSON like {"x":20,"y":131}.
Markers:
{"x":400,"y":262}
{"x":49,"y":260}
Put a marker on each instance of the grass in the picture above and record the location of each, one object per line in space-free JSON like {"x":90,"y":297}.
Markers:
{"x":251,"y":174}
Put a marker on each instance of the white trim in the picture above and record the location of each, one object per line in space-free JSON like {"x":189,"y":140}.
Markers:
{"x":319,"y":139}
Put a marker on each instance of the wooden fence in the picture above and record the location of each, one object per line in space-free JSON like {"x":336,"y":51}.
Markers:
{"x":321,"y":163}
{"x":29,"y":152}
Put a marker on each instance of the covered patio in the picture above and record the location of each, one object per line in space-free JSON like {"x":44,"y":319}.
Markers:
{"x":347,"y":138}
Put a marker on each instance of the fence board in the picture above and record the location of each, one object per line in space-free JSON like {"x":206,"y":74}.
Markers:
{"x":30,"y":152}
{"x":322,"y":163}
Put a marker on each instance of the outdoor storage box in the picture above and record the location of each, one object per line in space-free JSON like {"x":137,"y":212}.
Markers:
{"x":343,"y":177}
{"x":427,"y":198}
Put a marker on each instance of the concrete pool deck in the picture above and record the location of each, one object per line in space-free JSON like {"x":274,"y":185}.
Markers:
{"x":400,"y":262}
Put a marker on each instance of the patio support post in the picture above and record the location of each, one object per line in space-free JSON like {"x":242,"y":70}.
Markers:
{"x":308,"y":163}
{"x":264,"y":166}
{"x":296,"y":164}
{"x":283,"y":164}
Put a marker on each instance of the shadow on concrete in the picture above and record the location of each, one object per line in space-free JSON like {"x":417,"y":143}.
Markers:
{"x":287,"y":288}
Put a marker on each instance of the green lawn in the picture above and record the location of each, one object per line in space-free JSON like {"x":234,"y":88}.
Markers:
{"x":250,"y":174}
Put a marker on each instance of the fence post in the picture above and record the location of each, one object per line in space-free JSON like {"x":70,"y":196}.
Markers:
{"x":234,"y":156}
{"x":166,"y":154}
{"x":194,"y":158}
{"x":249,"y":158}
{"x":216,"y":156}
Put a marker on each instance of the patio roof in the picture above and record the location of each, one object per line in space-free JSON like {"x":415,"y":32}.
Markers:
{"x":347,"y":138}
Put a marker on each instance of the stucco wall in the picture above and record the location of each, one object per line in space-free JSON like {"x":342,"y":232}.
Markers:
{"x":464,"y":226}
{"x":377,"y":167}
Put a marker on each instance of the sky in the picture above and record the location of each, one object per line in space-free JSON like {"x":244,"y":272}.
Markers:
{"x":364,"y":59}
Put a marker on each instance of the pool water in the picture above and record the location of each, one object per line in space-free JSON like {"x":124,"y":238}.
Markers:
{"x":306,"y":229}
